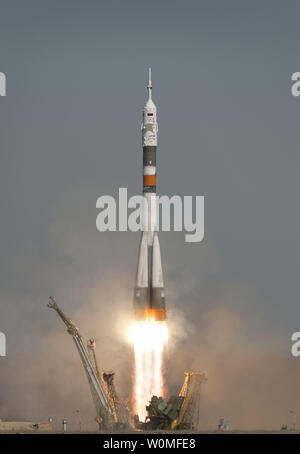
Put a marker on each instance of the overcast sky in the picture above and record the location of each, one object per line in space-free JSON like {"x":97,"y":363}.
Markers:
{"x":70,"y":132}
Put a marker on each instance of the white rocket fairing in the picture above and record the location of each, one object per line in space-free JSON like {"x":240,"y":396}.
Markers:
{"x":149,"y":298}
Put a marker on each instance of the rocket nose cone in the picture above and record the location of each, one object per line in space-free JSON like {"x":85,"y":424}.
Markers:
{"x":149,"y":105}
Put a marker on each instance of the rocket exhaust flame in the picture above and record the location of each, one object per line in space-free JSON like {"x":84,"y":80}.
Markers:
{"x":148,"y":338}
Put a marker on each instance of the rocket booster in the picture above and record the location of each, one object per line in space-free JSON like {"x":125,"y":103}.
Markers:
{"x":149,"y":297}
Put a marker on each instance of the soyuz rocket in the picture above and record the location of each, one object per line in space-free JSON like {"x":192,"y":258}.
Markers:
{"x":149,"y":295}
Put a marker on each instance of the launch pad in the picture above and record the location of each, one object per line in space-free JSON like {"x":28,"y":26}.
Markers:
{"x":180,"y":412}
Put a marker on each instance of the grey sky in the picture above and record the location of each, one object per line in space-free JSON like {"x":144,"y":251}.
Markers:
{"x":70,"y":132}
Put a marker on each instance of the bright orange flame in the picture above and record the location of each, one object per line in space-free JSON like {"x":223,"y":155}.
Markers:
{"x":148,"y":338}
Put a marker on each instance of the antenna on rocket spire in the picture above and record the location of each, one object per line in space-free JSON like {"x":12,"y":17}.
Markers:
{"x":149,"y":86}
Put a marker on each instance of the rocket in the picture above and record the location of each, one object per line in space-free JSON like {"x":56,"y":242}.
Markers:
{"x":149,"y":296}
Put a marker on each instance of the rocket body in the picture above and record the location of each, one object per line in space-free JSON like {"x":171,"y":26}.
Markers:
{"x":149,"y":297}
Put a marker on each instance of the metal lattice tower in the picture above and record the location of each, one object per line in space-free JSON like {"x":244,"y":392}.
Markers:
{"x":101,"y":402}
{"x":119,"y":412}
{"x":189,"y":413}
